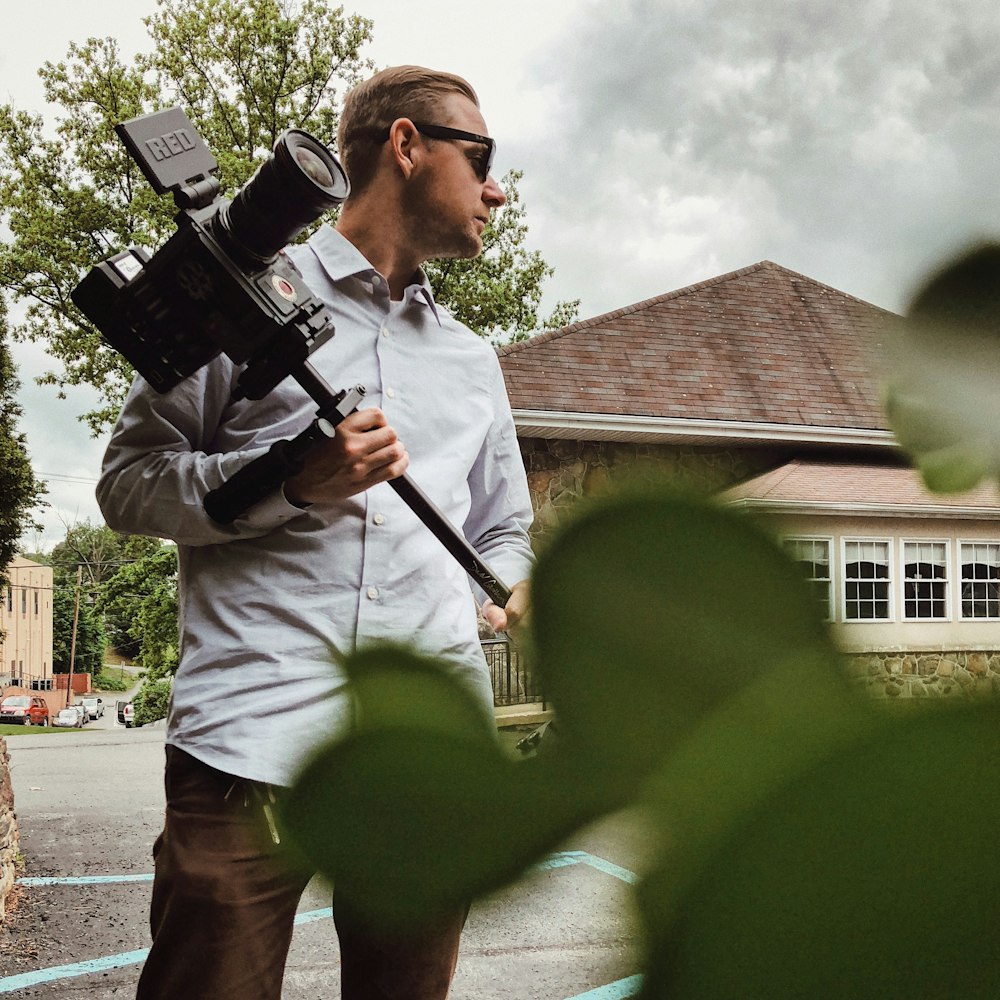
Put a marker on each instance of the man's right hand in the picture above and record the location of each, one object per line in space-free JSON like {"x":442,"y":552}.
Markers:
{"x":364,"y":451}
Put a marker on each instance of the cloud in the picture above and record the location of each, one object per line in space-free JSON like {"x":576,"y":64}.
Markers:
{"x":851,"y":141}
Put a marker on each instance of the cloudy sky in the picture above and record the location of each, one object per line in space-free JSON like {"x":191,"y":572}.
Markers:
{"x":663,"y":142}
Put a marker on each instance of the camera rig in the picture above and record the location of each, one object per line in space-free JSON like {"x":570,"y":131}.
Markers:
{"x":220,"y":285}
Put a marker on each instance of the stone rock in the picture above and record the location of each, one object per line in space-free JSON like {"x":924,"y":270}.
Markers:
{"x":977,"y":664}
{"x":946,"y":668}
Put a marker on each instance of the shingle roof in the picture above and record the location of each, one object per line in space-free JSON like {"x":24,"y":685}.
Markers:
{"x":844,"y":486}
{"x":762,"y":344}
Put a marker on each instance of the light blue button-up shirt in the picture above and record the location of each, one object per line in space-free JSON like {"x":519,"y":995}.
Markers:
{"x":270,"y":604}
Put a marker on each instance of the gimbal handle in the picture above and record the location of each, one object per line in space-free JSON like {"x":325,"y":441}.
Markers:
{"x":264,"y":475}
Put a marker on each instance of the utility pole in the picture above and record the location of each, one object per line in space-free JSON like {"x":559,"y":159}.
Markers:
{"x":72,"y":644}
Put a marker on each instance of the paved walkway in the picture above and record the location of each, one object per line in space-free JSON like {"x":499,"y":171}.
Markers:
{"x":563,"y":932}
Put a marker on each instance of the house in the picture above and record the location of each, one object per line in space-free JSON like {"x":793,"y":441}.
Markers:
{"x":26,"y":626}
{"x":764,"y":386}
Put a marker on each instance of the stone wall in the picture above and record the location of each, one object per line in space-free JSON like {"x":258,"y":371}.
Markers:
{"x":916,"y":674}
{"x":9,"y":834}
{"x":560,"y":472}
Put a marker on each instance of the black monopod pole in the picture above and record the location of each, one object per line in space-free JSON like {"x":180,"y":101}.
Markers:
{"x":263,"y":475}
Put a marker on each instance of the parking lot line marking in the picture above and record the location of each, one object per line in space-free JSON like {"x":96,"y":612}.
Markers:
{"x":83,"y":879}
{"x":308,"y":918}
{"x":613,"y":991}
{"x":12,"y":983}
{"x":610,"y":869}
{"x":565,"y":858}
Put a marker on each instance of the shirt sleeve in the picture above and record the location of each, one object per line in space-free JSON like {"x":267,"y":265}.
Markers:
{"x":501,"y":514}
{"x":165,"y":456}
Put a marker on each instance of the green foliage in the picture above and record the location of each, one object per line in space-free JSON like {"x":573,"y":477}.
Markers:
{"x":244,"y":72}
{"x":93,"y":547}
{"x":499,"y":293}
{"x":90,"y":638}
{"x":20,"y":492}
{"x":694,"y":682}
{"x":151,"y":701}
{"x":105,"y":681}
{"x":139,"y":602}
{"x":942,"y":396}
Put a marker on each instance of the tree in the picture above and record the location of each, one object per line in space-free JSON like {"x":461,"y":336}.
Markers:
{"x":498,"y":294}
{"x":90,"y":638}
{"x":151,"y":701}
{"x":20,"y":491}
{"x":243,"y":72}
{"x":139,"y":603}
{"x":95,"y":547}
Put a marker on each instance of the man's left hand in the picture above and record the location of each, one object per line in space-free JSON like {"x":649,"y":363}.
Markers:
{"x":514,"y":613}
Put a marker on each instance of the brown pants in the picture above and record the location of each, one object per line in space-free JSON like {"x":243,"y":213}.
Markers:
{"x":223,"y":909}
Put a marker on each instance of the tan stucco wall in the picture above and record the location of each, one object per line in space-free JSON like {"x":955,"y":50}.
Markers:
{"x":900,"y":634}
{"x":26,"y":643}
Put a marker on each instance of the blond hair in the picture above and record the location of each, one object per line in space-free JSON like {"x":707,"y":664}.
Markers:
{"x":397,"y":92}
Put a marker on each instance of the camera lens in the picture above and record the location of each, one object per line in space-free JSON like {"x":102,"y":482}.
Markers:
{"x":314,"y":167}
{"x":293,"y":187}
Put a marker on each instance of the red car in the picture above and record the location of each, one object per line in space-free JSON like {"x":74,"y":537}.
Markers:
{"x":28,"y":710}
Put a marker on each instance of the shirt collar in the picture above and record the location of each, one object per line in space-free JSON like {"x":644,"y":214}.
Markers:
{"x":341,"y":259}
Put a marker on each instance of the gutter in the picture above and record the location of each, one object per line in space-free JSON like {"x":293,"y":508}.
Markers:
{"x":666,"y":430}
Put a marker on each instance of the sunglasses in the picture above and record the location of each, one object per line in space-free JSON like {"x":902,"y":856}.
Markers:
{"x":482,"y":164}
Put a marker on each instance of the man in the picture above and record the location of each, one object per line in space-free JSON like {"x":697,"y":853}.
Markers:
{"x":271,"y":604}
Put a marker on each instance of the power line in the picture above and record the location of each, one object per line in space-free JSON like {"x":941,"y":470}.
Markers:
{"x":60,"y":477}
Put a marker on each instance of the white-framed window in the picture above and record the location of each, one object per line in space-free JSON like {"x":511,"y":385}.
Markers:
{"x":867,"y":578}
{"x":925,"y":580}
{"x":979,"y":579}
{"x":814,"y":557}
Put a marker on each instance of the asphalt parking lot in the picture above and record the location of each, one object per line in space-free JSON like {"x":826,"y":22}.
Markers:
{"x":89,"y":805}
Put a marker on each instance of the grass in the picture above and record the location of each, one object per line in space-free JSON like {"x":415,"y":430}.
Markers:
{"x":11,"y":730}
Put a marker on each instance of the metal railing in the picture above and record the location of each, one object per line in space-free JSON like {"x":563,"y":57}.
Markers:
{"x":513,"y":682}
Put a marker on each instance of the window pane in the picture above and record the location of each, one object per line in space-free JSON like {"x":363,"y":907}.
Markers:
{"x":980,"y":580}
{"x":866,"y":581}
{"x":813,"y":556}
{"x":925,"y":582}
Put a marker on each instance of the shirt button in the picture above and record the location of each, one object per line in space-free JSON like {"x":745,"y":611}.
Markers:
{"x":391,"y":393}
{"x":372,"y":593}
{"x":379,"y":518}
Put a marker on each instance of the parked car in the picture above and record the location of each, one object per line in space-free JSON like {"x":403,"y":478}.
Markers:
{"x":28,"y":710}
{"x":124,"y":713}
{"x":93,"y":705}
{"x":68,"y":718}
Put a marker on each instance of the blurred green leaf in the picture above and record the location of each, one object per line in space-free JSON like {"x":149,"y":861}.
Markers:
{"x":652,"y":611}
{"x":870,"y":875}
{"x":652,"y":615}
{"x":764,"y":737}
{"x":419,"y":809}
{"x":942,"y":398}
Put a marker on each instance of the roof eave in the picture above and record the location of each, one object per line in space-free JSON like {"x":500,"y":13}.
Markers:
{"x":827,"y":508}
{"x":670,"y":430}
